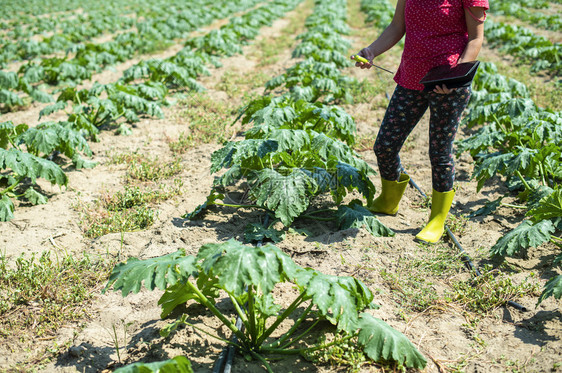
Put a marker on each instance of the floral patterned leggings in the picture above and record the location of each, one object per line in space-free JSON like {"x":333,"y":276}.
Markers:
{"x":405,"y":109}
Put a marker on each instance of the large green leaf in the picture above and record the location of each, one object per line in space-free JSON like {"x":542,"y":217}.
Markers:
{"x":179,"y":364}
{"x":35,"y":197}
{"x":488,"y":208}
{"x":382,"y":342}
{"x":246,"y":152}
{"x":158,"y":272}
{"x":6,"y":208}
{"x":48,"y":110}
{"x":286,"y":195}
{"x":28,"y":165}
{"x":525,"y":235}
{"x":290,"y":140}
{"x":553,"y":288}
{"x":237,"y":266}
{"x":338,"y":298}
{"x":180,"y":293}
{"x":548,"y":208}
{"x":255,"y":232}
{"x":357,"y":216}
{"x":350,"y":178}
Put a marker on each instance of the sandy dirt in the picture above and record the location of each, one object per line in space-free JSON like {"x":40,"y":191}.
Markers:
{"x":505,"y":339}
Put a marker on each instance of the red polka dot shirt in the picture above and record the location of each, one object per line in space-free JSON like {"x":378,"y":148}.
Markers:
{"x":436,"y":34}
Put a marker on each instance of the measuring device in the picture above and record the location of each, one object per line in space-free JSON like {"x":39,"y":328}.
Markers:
{"x":359,"y":58}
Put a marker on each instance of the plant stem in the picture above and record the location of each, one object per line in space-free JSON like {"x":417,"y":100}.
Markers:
{"x":240,"y":312}
{"x":280,"y":318}
{"x":301,"y":335}
{"x":320,"y":211}
{"x":522,"y":180}
{"x":502,"y":127}
{"x":556,"y":240}
{"x":513,"y":206}
{"x":280,"y":341}
{"x":251,"y":314}
{"x":294,"y":351}
{"x":541,"y":173}
{"x":11,"y":187}
{"x":260,"y":358}
{"x":204,"y":301}
{"x":317,"y":218}
{"x":239,"y":206}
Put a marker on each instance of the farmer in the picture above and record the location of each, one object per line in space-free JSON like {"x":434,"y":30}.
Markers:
{"x":438,"y":32}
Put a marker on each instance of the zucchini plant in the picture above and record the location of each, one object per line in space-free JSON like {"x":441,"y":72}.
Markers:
{"x":24,"y":157}
{"x":248,"y":275}
{"x":299,"y":145}
{"x":522,"y":142}
{"x":293,"y":153}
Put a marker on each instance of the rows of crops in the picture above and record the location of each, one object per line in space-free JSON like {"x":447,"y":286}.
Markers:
{"x":141,"y":91}
{"x":297,"y":149}
{"x":296,"y":161}
{"x":85,"y":59}
{"x":522,"y":142}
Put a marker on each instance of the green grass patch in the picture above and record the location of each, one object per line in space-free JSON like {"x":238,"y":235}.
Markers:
{"x":182,"y":144}
{"x":143,"y":168}
{"x":370,"y":91}
{"x":365,"y":143}
{"x":153,"y":169}
{"x":439,"y":260}
{"x":208,"y":119}
{"x":412,"y":291}
{"x":493,"y":289}
{"x":236,"y":84}
{"x":125,"y":211}
{"x":41,"y":293}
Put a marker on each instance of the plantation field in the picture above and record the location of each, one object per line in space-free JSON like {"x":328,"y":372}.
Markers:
{"x":162,"y":126}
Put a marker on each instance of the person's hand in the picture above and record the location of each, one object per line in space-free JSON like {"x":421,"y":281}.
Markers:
{"x":368,"y":55}
{"x":443,"y":90}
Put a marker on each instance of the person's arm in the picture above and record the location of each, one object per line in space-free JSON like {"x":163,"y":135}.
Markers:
{"x":389,"y":37}
{"x":475,"y":17}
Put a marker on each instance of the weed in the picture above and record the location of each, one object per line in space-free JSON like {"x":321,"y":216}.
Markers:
{"x":115,"y":338}
{"x":125,"y":210}
{"x":367,"y":91}
{"x":422,"y":203}
{"x":133,"y":196}
{"x":142,"y":168}
{"x":347,"y":354}
{"x":457,"y":223}
{"x":413,"y":291}
{"x":181,"y":145}
{"x":207,"y":118}
{"x":234,"y":83}
{"x":150,"y":169}
{"x":438,"y":260}
{"x":124,"y":158}
{"x":365,"y":143}
{"x":42,"y":293}
{"x":487,"y":292}
{"x":99,"y":223}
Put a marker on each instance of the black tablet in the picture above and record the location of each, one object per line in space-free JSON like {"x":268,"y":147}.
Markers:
{"x":457,"y":76}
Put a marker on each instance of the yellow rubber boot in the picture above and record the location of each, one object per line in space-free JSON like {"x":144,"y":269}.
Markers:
{"x":391,"y":194}
{"x":440,"y":205}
